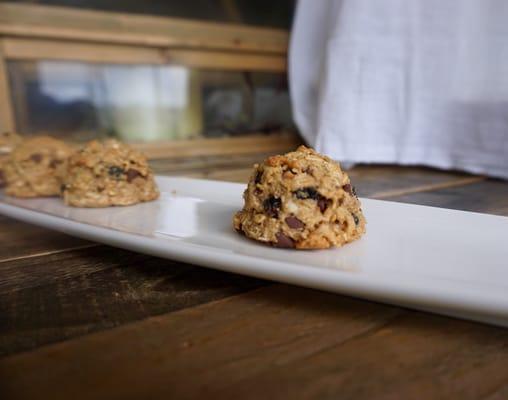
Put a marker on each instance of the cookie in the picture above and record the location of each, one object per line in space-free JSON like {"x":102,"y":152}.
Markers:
{"x":8,"y":141}
{"x":300,"y":200}
{"x":35,"y":167}
{"x":106,"y":174}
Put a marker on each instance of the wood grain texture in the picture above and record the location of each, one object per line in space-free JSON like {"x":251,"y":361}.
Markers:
{"x":40,"y":49}
{"x":489,"y":196}
{"x":500,"y":393}
{"x":168,"y":166}
{"x":198,"y":352}
{"x":275,"y":342}
{"x":414,"y":355}
{"x":60,"y":296}
{"x":19,"y":240}
{"x":61,"y":23}
{"x":225,"y":147}
{"x":386,"y":181}
{"x":7,"y":122}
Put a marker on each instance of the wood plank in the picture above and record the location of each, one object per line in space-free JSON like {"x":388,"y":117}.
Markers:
{"x":489,"y":196}
{"x":278,"y":341}
{"x":428,"y":187}
{"x":7,"y":122}
{"x":238,"y":175}
{"x":48,"y":299}
{"x":19,"y":240}
{"x":412,"y":356}
{"x":255,"y":143}
{"x":227,"y":61}
{"x":499,"y":394}
{"x":50,"y":22}
{"x":44,"y":49}
{"x":386,"y":181}
{"x":203,"y":163}
{"x":40,"y":49}
{"x":196,"y":352}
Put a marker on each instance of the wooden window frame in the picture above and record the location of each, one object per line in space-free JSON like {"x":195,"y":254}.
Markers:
{"x":35,"y":32}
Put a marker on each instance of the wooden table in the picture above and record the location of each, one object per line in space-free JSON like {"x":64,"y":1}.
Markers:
{"x":84,"y":320}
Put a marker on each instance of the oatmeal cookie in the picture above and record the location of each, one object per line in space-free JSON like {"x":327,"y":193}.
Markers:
{"x":35,"y":167}
{"x":106,"y":174}
{"x":300,"y":200}
{"x":8,"y":141}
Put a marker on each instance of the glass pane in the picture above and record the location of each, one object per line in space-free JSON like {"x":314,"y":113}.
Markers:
{"x":79,"y":101}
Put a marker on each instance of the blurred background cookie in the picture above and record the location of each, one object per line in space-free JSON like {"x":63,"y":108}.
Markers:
{"x":35,"y":167}
{"x":8,"y":141}
{"x":106,"y":174}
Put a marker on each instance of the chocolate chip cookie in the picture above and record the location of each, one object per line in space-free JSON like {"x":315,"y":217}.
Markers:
{"x":106,"y":174}
{"x":8,"y":141}
{"x":300,"y":200}
{"x":36,"y":167}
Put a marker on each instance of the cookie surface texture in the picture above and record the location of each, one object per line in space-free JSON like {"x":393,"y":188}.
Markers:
{"x":109,"y":173}
{"x":300,"y":200}
{"x":35,"y":167}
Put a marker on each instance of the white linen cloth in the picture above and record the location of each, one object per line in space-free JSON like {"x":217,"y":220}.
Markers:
{"x":403,"y":81}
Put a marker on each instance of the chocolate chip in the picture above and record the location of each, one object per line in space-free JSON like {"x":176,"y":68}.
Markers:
{"x":284,"y":241}
{"x":312,"y":193}
{"x":356,"y":219}
{"x":306,"y":193}
{"x":36,"y":157}
{"x":323,"y":203}
{"x":294,"y":223}
{"x":2,"y":179}
{"x":115,"y":171}
{"x":257,"y":191}
{"x":63,"y":187}
{"x":350,"y":189}
{"x":272,"y":205}
{"x":259,"y":175}
{"x":55,"y":162}
{"x":133,"y":174}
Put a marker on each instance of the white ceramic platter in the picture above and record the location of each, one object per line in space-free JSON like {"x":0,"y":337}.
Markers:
{"x":444,"y":261}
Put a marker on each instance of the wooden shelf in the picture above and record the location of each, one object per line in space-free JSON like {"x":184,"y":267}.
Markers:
{"x":44,"y":49}
{"x":30,"y":32}
{"x":62,"y":23}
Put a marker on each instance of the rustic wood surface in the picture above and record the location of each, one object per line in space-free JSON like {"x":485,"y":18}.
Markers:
{"x":89,"y":321}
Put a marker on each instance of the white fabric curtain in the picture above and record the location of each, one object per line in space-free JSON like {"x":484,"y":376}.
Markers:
{"x":403,"y":81}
